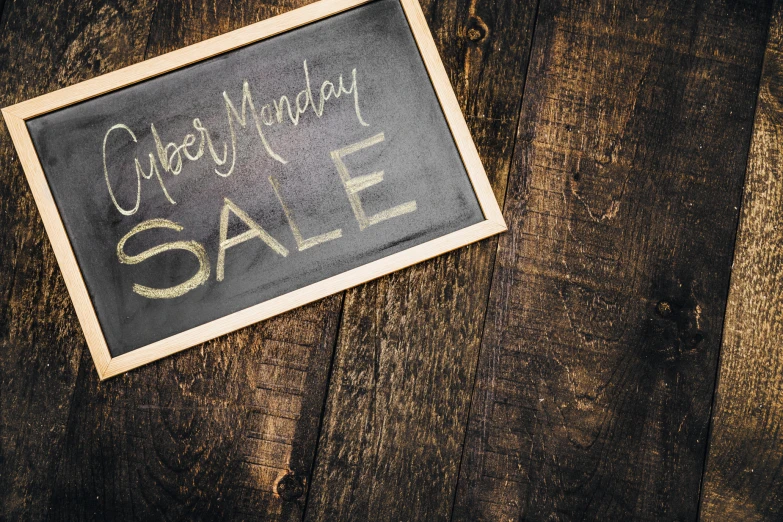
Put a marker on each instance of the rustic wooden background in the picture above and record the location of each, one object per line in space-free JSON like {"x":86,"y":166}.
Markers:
{"x":617,"y":355}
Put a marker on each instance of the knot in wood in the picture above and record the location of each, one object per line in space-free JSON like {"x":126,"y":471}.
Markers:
{"x":664,"y":308}
{"x":603,"y":159}
{"x":290,"y":487}
{"x":477,"y":29}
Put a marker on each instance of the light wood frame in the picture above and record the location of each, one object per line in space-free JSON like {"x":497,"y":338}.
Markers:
{"x":108,"y":366}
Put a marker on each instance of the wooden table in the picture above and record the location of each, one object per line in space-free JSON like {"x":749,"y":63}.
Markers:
{"x":617,"y":355}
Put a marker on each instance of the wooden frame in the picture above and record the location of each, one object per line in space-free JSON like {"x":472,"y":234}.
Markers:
{"x":108,"y":366}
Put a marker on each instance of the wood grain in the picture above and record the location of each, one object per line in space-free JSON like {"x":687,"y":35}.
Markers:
{"x":404,"y":363}
{"x":44,"y":47}
{"x":744,"y":476}
{"x":605,"y":315}
{"x":599,"y":353}
{"x":227,"y":430}
{"x":210,"y":432}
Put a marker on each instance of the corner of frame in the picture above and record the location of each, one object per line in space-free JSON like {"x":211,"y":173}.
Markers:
{"x":11,"y":117}
{"x":500,"y":224}
{"x":105,"y":371}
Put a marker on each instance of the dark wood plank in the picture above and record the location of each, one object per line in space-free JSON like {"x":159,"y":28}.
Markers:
{"x":2,"y":15}
{"x":43,"y":46}
{"x":599,"y":356}
{"x":404,"y":365}
{"x":209,"y":433}
{"x":744,"y":476}
{"x":214,"y":430}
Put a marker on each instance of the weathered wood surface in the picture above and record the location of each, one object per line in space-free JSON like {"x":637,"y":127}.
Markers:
{"x":622,"y":150}
{"x":41,"y":346}
{"x":395,"y":419}
{"x":599,"y":354}
{"x":744,"y":476}
{"x":207,"y":433}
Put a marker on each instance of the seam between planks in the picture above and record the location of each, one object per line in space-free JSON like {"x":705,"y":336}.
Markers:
{"x":149,"y":29}
{"x":324,"y":401}
{"x":491,"y":278}
{"x":737,"y":223}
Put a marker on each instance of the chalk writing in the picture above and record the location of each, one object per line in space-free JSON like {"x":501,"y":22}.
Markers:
{"x":193,"y":247}
{"x":353,"y":185}
{"x":170,"y":158}
{"x":301,"y":243}
{"x":254,"y":231}
{"x":170,"y":155}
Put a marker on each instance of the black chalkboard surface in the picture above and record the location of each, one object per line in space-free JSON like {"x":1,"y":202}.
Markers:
{"x":249,"y":175}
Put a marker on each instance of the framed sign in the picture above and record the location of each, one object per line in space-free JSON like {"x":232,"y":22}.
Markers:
{"x":221,"y":184}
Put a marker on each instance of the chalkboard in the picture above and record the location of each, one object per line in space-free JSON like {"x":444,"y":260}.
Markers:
{"x":267,"y":168}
